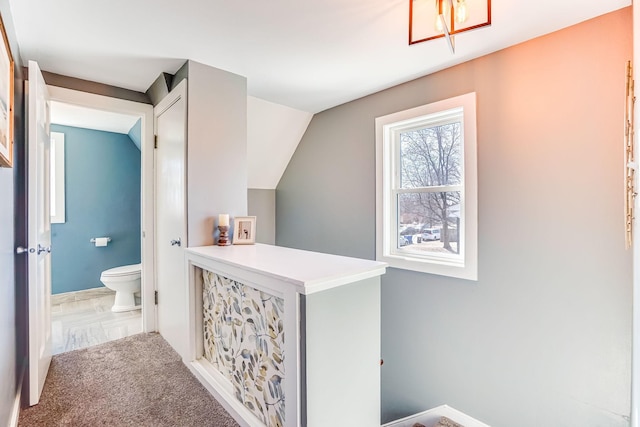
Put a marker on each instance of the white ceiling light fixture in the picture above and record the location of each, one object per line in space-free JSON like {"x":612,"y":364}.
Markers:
{"x":433,"y":19}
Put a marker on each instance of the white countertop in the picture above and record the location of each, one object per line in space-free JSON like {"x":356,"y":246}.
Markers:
{"x":309,"y":271}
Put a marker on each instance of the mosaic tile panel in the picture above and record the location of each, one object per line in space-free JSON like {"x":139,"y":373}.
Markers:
{"x":244,"y":340}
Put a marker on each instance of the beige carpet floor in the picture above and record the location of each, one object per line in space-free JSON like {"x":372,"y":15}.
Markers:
{"x":135,"y":381}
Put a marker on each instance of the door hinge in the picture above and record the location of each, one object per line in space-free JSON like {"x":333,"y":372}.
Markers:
{"x":155,"y":297}
{"x":155,"y":141}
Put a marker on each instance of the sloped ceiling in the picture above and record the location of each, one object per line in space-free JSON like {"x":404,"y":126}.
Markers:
{"x":302,"y":54}
{"x":273,"y":133}
{"x":299,"y":58}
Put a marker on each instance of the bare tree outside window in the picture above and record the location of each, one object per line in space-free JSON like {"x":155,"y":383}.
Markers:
{"x":430,"y":158}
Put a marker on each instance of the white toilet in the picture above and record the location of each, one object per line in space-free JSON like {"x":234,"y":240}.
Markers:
{"x":125,"y":280}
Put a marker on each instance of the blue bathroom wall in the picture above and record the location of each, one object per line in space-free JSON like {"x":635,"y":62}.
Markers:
{"x":102,"y":190}
{"x":135,"y":133}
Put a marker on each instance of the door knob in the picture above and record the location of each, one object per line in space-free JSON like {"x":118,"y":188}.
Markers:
{"x":177,"y":242}
{"x":23,"y":250}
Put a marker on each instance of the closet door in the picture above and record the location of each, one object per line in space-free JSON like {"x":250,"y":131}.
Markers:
{"x":171,"y":219}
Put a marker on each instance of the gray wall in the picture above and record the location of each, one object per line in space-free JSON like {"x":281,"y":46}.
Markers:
{"x":544,"y":336}
{"x":7,"y":299}
{"x":12,"y":269}
{"x":216,"y":148}
{"x":12,"y":232}
{"x":102,"y":188}
{"x":262,"y":204}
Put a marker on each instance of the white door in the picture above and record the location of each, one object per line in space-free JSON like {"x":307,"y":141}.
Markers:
{"x":171,"y":220}
{"x":39,"y":225}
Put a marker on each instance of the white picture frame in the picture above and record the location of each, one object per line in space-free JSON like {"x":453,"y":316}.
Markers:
{"x":244,"y":230}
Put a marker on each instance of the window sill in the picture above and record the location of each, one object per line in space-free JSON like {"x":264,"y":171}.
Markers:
{"x":441,"y":268}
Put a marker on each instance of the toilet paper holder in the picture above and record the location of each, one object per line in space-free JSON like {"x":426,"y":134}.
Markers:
{"x":93,"y":239}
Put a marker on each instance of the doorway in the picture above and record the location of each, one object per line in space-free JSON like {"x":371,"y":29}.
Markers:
{"x":111,"y":108}
{"x":95,"y":191}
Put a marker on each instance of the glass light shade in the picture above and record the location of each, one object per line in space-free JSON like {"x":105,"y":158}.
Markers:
{"x":461,"y":11}
{"x":424,"y":23}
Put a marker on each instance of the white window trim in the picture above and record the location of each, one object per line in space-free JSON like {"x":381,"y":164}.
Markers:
{"x":58,"y":214}
{"x":386,"y":223}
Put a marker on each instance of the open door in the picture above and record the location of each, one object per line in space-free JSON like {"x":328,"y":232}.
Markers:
{"x":39,"y":234}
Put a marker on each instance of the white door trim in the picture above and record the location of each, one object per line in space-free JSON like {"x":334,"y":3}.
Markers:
{"x":145,"y":111}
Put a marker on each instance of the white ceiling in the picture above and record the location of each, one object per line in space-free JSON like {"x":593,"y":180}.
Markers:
{"x":89,"y":118}
{"x":308,"y":55}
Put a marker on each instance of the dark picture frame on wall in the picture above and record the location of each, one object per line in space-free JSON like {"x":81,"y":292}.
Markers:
{"x":6,"y":100}
{"x":244,"y":230}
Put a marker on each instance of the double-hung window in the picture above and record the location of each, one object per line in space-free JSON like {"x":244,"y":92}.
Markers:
{"x":427,"y":188}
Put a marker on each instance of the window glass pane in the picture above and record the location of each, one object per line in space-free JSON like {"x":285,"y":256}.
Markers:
{"x":52,"y":177}
{"x":56,"y":178}
{"x":431,"y":156}
{"x":428,"y":223}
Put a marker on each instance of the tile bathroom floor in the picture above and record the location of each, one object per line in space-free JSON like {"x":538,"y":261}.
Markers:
{"x":84,"y":318}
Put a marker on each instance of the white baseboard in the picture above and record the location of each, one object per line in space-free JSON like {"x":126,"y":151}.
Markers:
{"x":15,"y":412}
{"x":434,"y":414}
{"x":214,"y":382}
